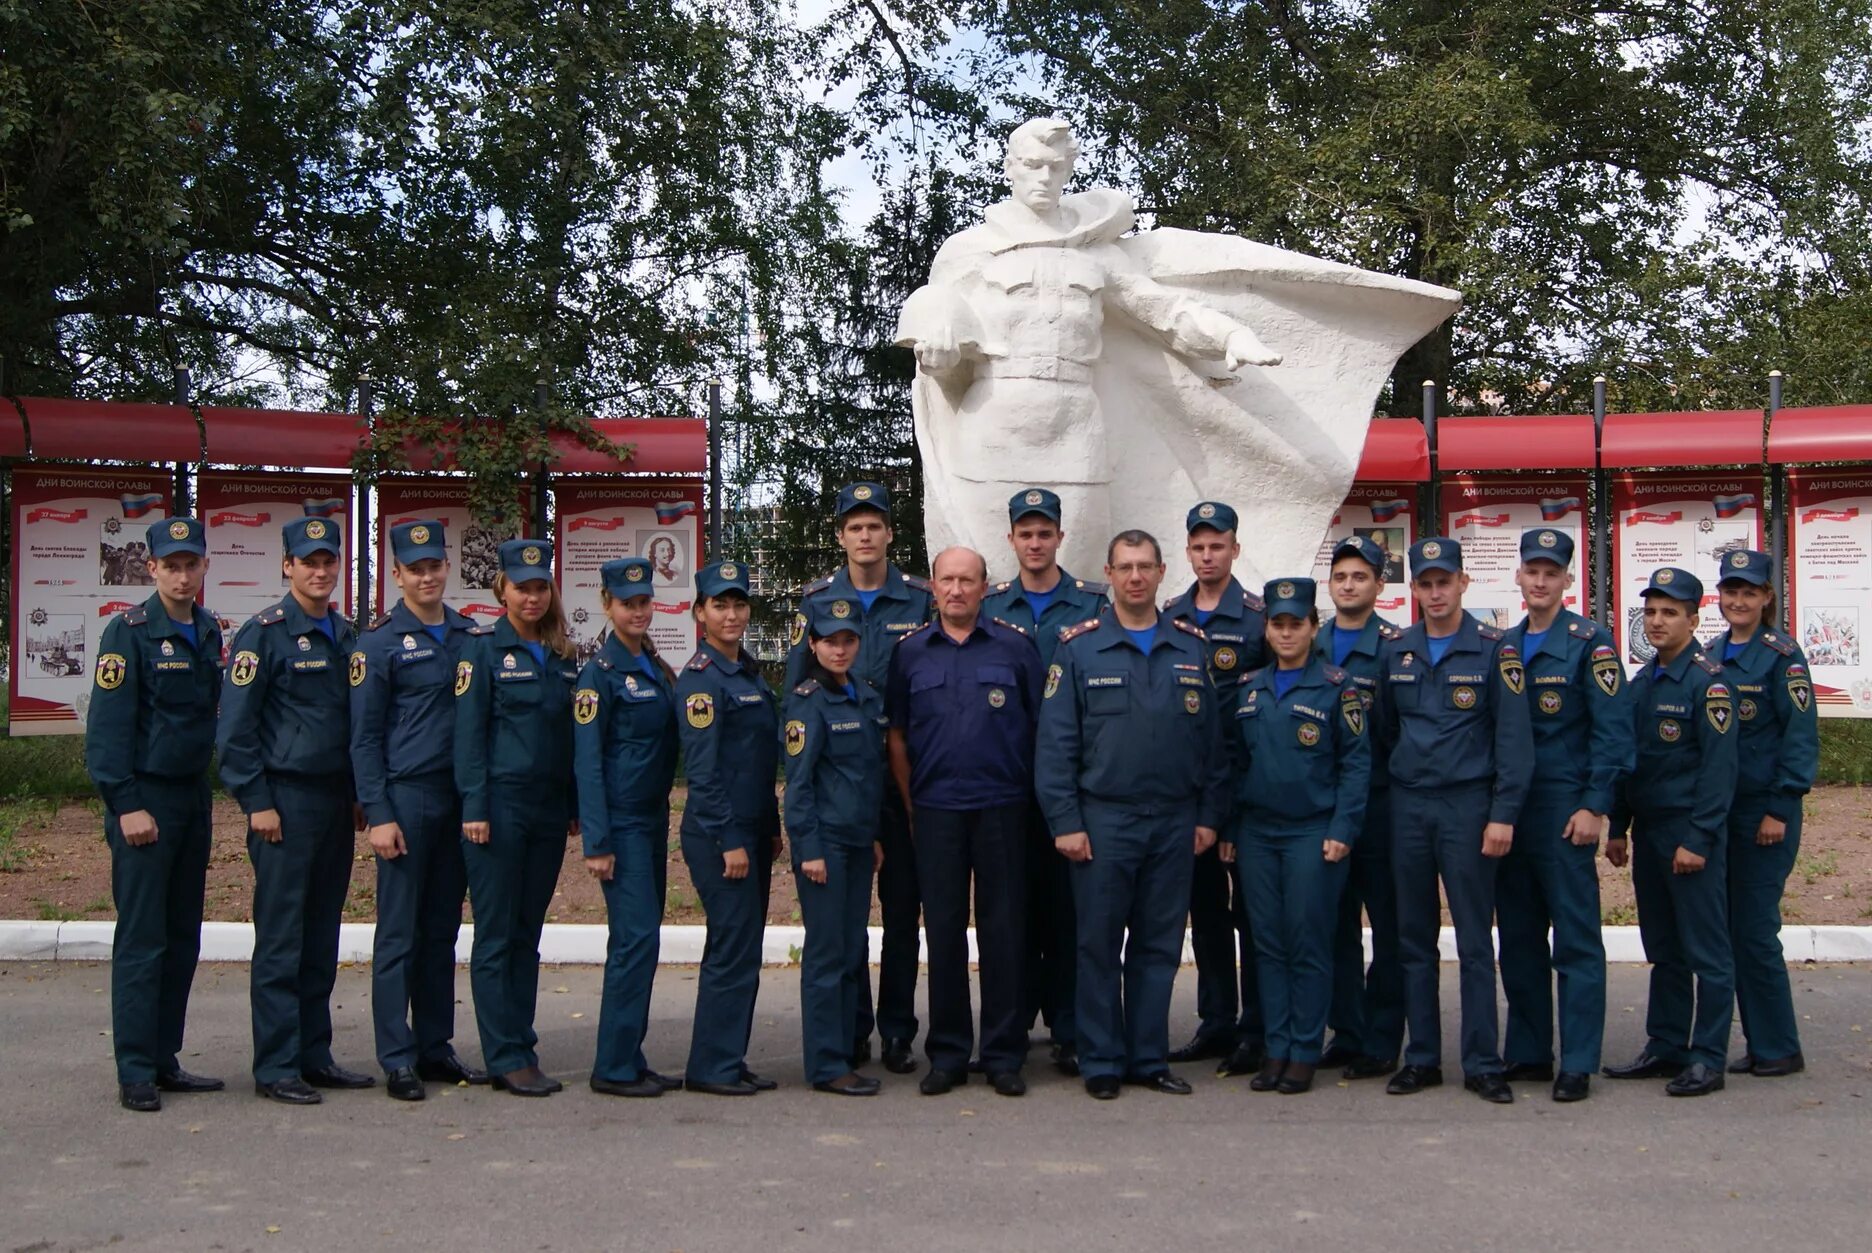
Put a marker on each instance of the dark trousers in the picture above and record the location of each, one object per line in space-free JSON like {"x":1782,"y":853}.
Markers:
{"x":729,"y":979}
{"x":1683,"y":920}
{"x":510,"y":881}
{"x":1367,"y":1013}
{"x":419,"y":912}
{"x":900,"y":910}
{"x":989,"y":845}
{"x":300,"y":885}
{"x":1757,"y":875}
{"x":1437,"y":833}
{"x":1547,"y":880}
{"x":1294,"y":892}
{"x":634,"y":899}
{"x":158,"y":892}
{"x":1052,"y":942}
{"x":1228,"y":1000}
{"x":835,"y":961}
{"x":1131,"y":899}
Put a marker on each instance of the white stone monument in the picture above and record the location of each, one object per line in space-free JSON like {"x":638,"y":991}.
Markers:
{"x":1137,"y":373}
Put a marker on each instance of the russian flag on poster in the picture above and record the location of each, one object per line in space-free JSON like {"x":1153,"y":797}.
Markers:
{"x":670,"y":511}
{"x":138,"y":506}
{"x":1558,"y":507}
{"x":1730,"y":506}
{"x":1385,"y":510}
{"x":324,"y":508}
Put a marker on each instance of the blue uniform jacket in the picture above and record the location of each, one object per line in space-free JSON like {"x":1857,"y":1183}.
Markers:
{"x":1125,"y":729}
{"x":1074,"y":601}
{"x":1366,"y":666}
{"x":153,"y":700}
{"x":1303,"y":759}
{"x":513,"y":722}
{"x":1236,"y":631}
{"x":1462,"y":722}
{"x":403,"y":705}
{"x":1684,"y":723}
{"x":967,"y":714}
{"x":1581,"y":711}
{"x":1779,"y":725}
{"x":284,"y":704}
{"x":835,"y":767}
{"x":731,"y":750}
{"x":625,"y":745}
{"x":902,"y":605}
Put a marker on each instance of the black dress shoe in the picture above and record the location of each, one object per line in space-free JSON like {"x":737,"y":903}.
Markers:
{"x":1572,"y":1085}
{"x":667,"y":1083}
{"x":1102,"y":1087}
{"x":642,"y":1086}
{"x":1528,"y":1072}
{"x":183,"y":1081}
{"x":760,"y":1083}
{"x":526,"y":1081}
{"x":1205,"y":1045}
{"x":1338,"y":1053}
{"x":849,"y":1085}
{"x":939,"y":1082}
{"x":1776,"y":1067}
{"x":1297,"y":1078}
{"x":1644,"y":1066}
{"x":1008,"y":1083}
{"x":861,"y":1052}
{"x":404,"y":1085}
{"x":1245,"y":1060}
{"x":289,"y":1091}
{"x":1414,"y":1079}
{"x":1161,"y":1081}
{"x":141,"y":1097}
{"x":1696,"y":1080}
{"x":1366,"y":1066}
{"x":450,"y":1069}
{"x":1269,"y":1077}
{"x":737,"y":1088}
{"x":336,"y":1076}
{"x":1743,"y":1065}
{"x":1490,"y":1087}
{"x":898,"y":1059}
{"x":1066,"y":1059}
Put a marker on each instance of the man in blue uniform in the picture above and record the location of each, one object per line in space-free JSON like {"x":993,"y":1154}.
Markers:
{"x":402,"y":758}
{"x":1455,"y":710}
{"x":962,"y":700}
{"x":1043,"y":601}
{"x":1367,"y":1014}
{"x":891,"y":604}
{"x":149,"y":733}
{"x":1676,"y":805}
{"x":1582,"y":742}
{"x":1132,"y":774}
{"x":1228,"y":998}
{"x":285,"y":753}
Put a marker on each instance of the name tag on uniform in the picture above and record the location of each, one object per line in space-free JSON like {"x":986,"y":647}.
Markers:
{"x":1105,"y":680}
{"x":515,"y":676}
{"x":1740,"y":687}
{"x":1309,"y":712}
{"x":1365,"y":681}
{"x":311,"y":663}
{"x":750,"y":698}
{"x":1464,"y":678}
{"x":1217,"y":637}
{"x":183,"y":665}
{"x":415,"y":654}
{"x":844,"y":726}
{"x":902,"y":626}
{"x":1550,"y":680}
{"x":1401,"y":678}
{"x":1671,"y":709}
{"x":1189,"y":680}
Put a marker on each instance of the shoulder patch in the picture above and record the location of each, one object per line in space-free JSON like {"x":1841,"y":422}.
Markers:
{"x":1076,"y":630}
{"x":270,"y":615}
{"x":382,"y":620}
{"x":1253,"y":601}
{"x":917,"y":581}
{"x":698,"y":662}
{"x":1189,"y":628}
{"x":817,"y":585}
{"x":806,"y":688}
{"x":1388,"y":632}
{"x":486,"y":628}
{"x":1708,"y":666}
{"x":1333,"y":674}
{"x":1009,"y":625}
{"x":1488,"y":632}
{"x":1779,"y":642}
{"x":136,"y":615}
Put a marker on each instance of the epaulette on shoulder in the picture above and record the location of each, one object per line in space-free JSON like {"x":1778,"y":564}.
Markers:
{"x":917,"y":581}
{"x":698,"y":662}
{"x":1706,"y":665}
{"x":1185,"y":625}
{"x":817,"y":585}
{"x":1334,"y":674}
{"x":270,"y":615}
{"x":1488,"y":632}
{"x":604,"y":662}
{"x":917,"y":629}
{"x":1087,"y":585}
{"x":1579,"y":628}
{"x":382,"y":620}
{"x":1249,"y":676}
{"x":1075,"y":631}
{"x":136,"y":615}
{"x":1388,"y":632}
{"x":1004,"y":585}
{"x":486,"y":628}
{"x":1254,"y":602}
{"x":1779,"y":642}
{"x":807,"y":687}
{"x":1009,"y":625}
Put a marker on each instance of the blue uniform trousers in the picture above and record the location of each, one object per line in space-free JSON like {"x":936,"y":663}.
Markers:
{"x":900,"y":905}
{"x":158,"y":892}
{"x":634,"y":899}
{"x":1757,"y":875}
{"x":1367,"y":1013}
{"x":729,"y":978}
{"x":990,"y":847}
{"x":1131,"y":899}
{"x":1547,"y":880}
{"x":1228,"y":1002}
{"x":1437,"y":832}
{"x":300,"y":885}
{"x":1293,"y":892}
{"x":1051,"y":971}
{"x":1683,"y":920}
{"x":510,"y":882}
{"x":419,"y":911}
{"x":835,"y":961}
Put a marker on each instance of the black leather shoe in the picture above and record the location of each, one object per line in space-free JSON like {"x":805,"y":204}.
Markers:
{"x":665,"y":1082}
{"x":1776,"y":1067}
{"x":1102,"y":1087}
{"x":1161,"y":1081}
{"x":1644,"y":1066}
{"x":642,"y":1086}
{"x":1268,"y":1080}
{"x":760,"y":1083}
{"x":1572,"y":1085}
{"x":1490,"y":1087}
{"x":898,"y":1059}
{"x":1245,"y":1060}
{"x":1008,"y":1083}
{"x":450,"y":1069}
{"x":940,"y":1082}
{"x":141,"y":1097}
{"x":404,"y":1085}
{"x":1414,"y":1079}
{"x":1204,"y":1045}
{"x":1696,"y":1080}
{"x":737,"y":1088}
{"x":1743,"y":1065}
{"x":183,"y":1081}
{"x":1528,"y":1072}
{"x":1368,"y":1067}
{"x":289,"y":1091}
{"x":1297,"y":1078}
{"x":336,"y":1076}
{"x":1066,"y":1060}
{"x":526,"y":1081}
{"x":849,"y":1085}
{"x":861,"y":1052}
{"x":1338,"y":1053}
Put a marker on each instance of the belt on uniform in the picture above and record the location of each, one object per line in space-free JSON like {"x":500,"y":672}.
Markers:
{"x":1056,"y":369}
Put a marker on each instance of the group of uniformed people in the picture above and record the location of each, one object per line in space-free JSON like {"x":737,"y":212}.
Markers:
{"x":1096,"y":769}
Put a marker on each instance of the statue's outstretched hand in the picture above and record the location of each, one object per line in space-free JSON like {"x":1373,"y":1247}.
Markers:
{"x":1243,"y":349}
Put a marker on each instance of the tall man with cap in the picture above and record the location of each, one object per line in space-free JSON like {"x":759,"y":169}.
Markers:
{"x":1582,"y":741}
{"x":1042,"y":601}
{"x":403,"y":757}
{"x":285,"y":749}
{"x":890,"y":605}
{"x":1228,"y":997}
{"x":1456,"y":713}
{"x":149,"y":734}
{"x":1676,"y":805}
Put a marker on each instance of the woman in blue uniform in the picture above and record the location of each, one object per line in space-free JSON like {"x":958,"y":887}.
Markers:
{"x":624,"y":733}
{"x":1778,"y":754}
{"x":513,"y":767}
{"x":730,"y":828}
{"x":1303,"y":769}
{"x":835,"y":770}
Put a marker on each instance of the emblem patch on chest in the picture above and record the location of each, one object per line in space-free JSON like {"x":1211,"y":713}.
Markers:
{"x":1550,"y":701}
{"x":996,"y":697}
{"x":1225,"y":659}
{"x":1670,"y":730}
{"x":1463,"y":697}
{"x":1192,"y":702}
{"x":1308,"y":734}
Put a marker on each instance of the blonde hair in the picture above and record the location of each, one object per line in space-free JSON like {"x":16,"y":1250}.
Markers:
{"x":552,"y":627}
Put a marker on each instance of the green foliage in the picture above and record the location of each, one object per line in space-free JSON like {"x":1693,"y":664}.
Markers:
{"x":49,"y":767}
{"x":1845,"y":751}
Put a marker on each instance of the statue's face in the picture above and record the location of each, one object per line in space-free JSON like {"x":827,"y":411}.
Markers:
{"x":1038,"y":174}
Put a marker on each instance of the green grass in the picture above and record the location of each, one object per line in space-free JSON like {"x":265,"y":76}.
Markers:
{"x":53,"y":911}
{"x":1845,"y":750}
{"x":49,"y":766}
{"x":1814,"y":866}
{"x":15,"y":818}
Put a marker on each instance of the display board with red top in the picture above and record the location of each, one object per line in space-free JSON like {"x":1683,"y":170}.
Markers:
{"x":1488,"y":514}
{"x":473,"y":549}
{"x":1830,"y":585}
{"x":1387,"y":514}
{"x":1689,"y":520}
{"x":599,"y":521}
{"x":242,"y":514}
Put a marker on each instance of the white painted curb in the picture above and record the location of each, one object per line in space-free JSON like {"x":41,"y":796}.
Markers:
{"x":585,"y":944}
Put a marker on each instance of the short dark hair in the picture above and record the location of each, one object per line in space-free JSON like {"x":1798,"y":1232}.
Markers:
{"x":855,"y":511}
{"x":1134,"y":539}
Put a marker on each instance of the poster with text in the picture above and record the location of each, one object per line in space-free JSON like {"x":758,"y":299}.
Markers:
{"x":1387,"y":513}
{"x":1690,"y":521}
{"x":1830,"y":588}
{"x":473,"y":550}
{"x":1488,"y":516}
{"x":600,"y":520}
{"x":80,"y":557}
{"x":242,"y":514}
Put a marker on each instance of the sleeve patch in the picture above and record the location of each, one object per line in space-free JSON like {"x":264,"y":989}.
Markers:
{"x":464,"y":676}
{"x":585,"y":706}
{"x":795,"y":738}
{"x":700,"y":710}
{"x":111,"y":669}
{"x":246,"y":667}
{"x":358,"y":665}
